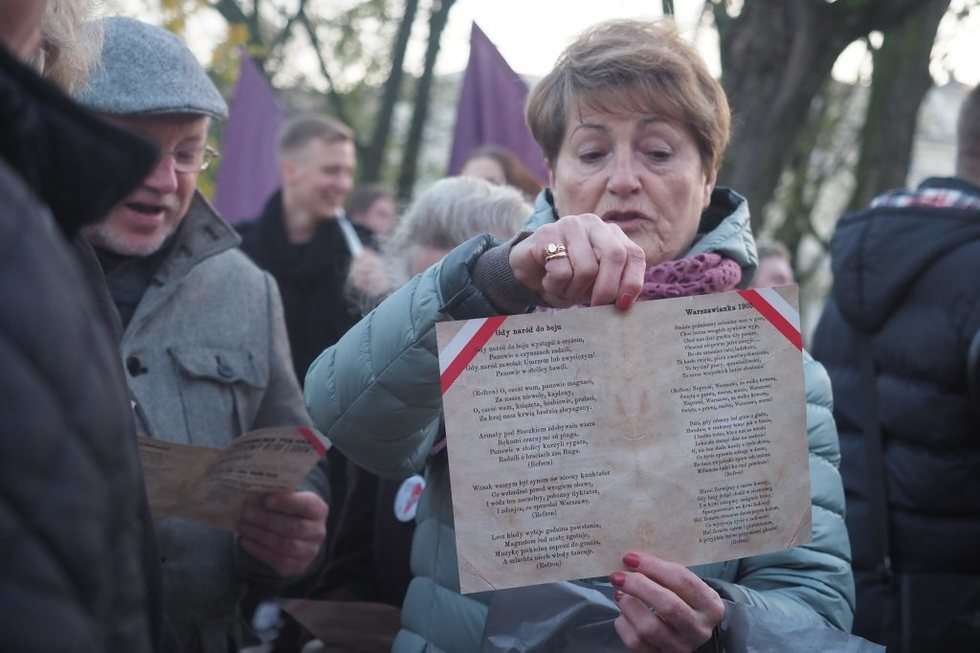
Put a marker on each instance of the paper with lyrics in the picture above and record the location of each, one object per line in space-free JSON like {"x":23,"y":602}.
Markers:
{"x":574,"y":436}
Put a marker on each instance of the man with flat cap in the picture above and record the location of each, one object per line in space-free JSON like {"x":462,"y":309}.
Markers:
{"x":204,"y":341}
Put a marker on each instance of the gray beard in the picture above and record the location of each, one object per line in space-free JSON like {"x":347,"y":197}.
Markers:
{"x":100,"y":235}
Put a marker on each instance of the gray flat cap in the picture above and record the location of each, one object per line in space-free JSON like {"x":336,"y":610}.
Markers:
{"x":146,"y":70}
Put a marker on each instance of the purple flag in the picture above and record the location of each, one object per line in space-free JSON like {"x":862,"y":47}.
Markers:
{"x":249,"y":170}
{"x":491,"y":109}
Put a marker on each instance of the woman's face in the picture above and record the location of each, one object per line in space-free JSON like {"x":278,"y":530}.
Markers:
{"x":485,"y":168}
{"x":640,"y":172}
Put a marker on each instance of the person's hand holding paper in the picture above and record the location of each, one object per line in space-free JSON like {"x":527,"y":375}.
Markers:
{"x":664,"y":605}
{"x":580,"y":260}
{"x":249,"y":485}
{"x":285,"y":530}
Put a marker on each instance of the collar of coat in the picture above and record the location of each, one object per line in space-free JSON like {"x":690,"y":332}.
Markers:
{"x":324,"y":254}
{"x":201,"y":235}
{"x":75,"y":163}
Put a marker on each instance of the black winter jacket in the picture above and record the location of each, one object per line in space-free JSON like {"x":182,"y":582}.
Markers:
{"x":909,"y":276}
{"x":311,"y":277}
{"x":78,"y":568}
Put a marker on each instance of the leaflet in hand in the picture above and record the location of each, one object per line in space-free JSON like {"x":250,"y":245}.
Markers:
{"x":210,"y":485}
{"x":676,"y":428}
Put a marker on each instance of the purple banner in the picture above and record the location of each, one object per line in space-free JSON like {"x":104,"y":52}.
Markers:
{"x":491,"y":109}
{"x":249,"y":170}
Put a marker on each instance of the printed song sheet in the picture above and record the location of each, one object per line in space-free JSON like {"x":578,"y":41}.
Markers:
{"x":210,"y":485}
{"x":574,"y":436}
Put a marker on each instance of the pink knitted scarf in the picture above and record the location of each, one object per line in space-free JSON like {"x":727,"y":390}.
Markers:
{"x":701,"y":274}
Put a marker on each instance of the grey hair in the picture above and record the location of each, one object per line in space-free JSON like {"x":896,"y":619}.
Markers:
{"x":446,"y":215}
{"x":71,"y":42}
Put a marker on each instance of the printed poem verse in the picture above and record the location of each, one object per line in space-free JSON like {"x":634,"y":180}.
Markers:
{"x":577,"y":435}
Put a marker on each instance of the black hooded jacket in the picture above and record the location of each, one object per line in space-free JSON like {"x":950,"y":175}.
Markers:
{"x":78,"y":567}
{"x":909,"y":277}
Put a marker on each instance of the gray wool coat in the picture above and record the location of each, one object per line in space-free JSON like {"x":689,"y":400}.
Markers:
{"x":208,"y":359}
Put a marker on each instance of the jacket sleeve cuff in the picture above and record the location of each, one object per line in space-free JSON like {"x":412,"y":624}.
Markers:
{"x":473,"y":289}
{"x":494,"y":277}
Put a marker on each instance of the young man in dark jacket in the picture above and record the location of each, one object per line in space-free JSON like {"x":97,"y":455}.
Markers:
{"x":304,"y":239}
{"x":78,"y":564}
{"x":906,"y":293}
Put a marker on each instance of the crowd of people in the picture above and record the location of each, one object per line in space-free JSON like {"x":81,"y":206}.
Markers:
{"x":134,"y":309}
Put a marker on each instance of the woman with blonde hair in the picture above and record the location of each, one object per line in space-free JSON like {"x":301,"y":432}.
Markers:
{"x":448,"y":213}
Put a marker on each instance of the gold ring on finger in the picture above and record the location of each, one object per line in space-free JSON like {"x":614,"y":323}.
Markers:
{"x":554,"y":250}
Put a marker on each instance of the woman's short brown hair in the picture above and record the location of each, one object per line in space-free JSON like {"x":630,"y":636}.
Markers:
{"x":633,"y":66}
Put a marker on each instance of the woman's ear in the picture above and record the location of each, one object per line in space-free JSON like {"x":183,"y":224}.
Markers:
{"x":709,"y":187}
{"x":551,"y":175}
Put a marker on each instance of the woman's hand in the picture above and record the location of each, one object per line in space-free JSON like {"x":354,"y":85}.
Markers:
{"x":368,"y":275}
{"x":602,"y":265}
{"x":665,"y":606}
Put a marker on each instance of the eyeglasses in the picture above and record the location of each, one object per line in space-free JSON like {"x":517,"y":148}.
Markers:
{"x":190,"y":160}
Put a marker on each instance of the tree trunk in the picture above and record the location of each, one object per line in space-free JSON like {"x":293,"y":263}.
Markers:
{"x":817,"y":157}
{"x":423,"y":92}
{"x":776,"y":54}
{"x":374,"y":157}
{"x":899,"y":83}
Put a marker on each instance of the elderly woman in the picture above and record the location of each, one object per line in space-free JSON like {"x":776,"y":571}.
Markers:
{"x":369,"y":552}
{"x":634,"y":128}
{"x":448,"y":213}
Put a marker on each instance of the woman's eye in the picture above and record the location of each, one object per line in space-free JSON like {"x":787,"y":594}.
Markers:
{"x":659,"y":155}
{"x":591,"y":156}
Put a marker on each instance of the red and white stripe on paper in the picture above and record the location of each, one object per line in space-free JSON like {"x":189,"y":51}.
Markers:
{"x":779,"y":312}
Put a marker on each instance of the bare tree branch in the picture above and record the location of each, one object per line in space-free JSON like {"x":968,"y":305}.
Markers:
{"x":336,"y":100}
{"x":254,"y":26}
{"x":722,"y":20}
{"x":899,"y":84}
{"x":423,"y":93}
{"x":775,"y":56}
{"x":230,"y":10}
{"x":374,"y":160}
{"x":284,"y":33}
{"x":861,"y":16}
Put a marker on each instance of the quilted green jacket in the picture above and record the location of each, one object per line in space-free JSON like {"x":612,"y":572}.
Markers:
{"x":376,"y":395}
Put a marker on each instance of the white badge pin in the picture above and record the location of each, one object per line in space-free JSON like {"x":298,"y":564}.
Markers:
{"x":407,"y":499}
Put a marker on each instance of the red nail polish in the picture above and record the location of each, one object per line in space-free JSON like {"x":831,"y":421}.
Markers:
{"x":618,"y":579}
{"x":631,"y":560}
{"x":624,"y":302}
